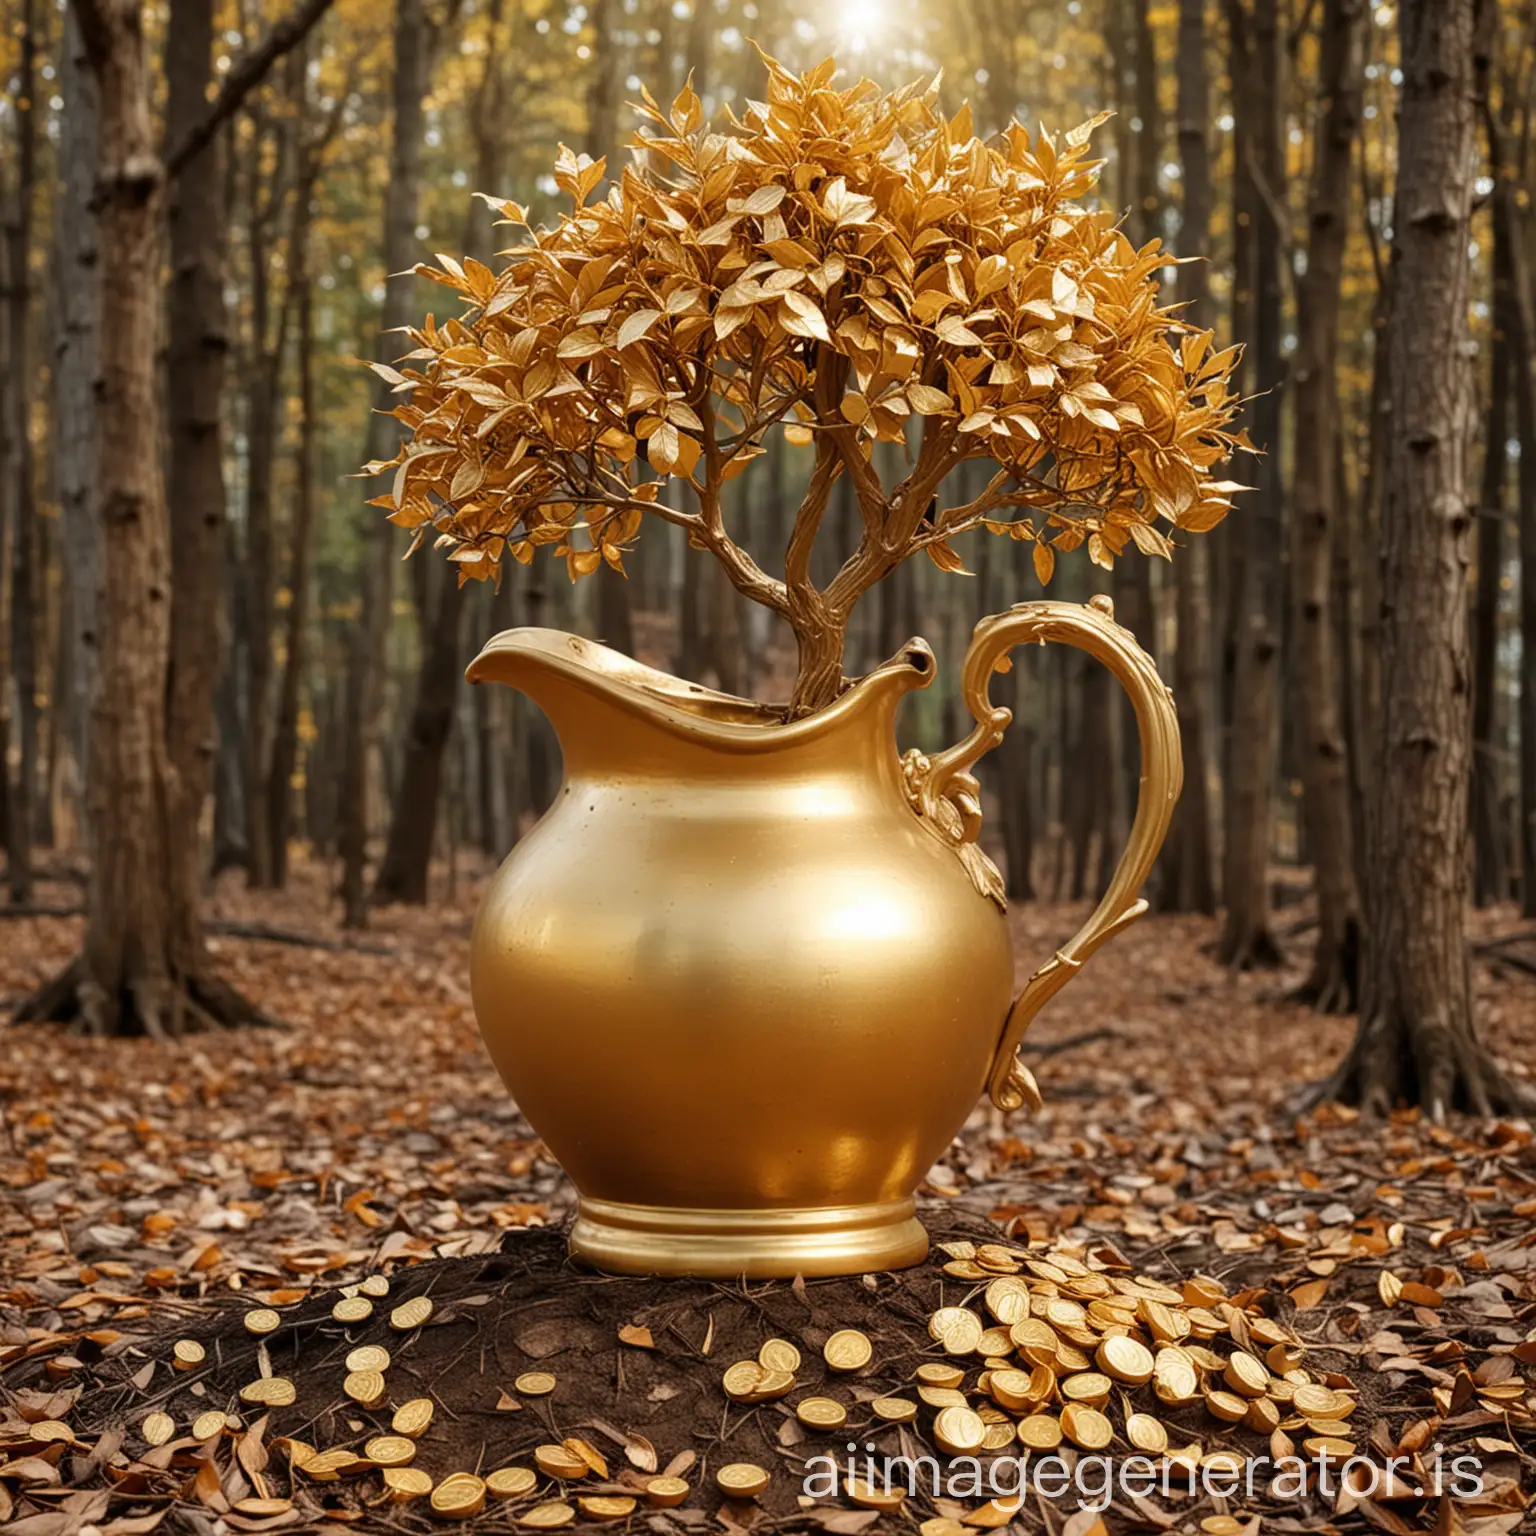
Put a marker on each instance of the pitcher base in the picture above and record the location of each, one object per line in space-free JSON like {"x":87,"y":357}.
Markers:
{"x":762,"y":1244}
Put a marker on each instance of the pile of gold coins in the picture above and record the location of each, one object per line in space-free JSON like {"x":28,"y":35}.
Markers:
{"x":1037,"y":1349}
{"x":1047,"y":1349}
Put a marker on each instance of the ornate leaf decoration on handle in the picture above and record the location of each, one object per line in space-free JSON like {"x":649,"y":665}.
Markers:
{"x":947,"y":797}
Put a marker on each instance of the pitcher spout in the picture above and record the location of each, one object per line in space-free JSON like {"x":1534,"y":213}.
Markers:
{"x":602,"y":700}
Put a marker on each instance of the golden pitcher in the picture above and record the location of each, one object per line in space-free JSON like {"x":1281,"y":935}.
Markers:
{"x":747,"y":979}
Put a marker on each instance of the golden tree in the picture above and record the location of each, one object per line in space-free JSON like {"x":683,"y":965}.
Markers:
{"x":847,"y":266}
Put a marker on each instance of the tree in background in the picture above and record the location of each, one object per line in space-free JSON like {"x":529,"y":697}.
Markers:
{"x":1417,"y":1038}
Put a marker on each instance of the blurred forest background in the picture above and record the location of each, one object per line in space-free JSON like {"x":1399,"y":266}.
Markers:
{"x":281,"y":164}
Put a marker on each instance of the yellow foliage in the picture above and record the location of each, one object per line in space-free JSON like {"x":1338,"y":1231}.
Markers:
{"x":844,"y":261}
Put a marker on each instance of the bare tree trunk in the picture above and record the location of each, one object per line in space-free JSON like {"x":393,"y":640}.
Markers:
{"x":365,"y":660}
{"x":1333,"y":984}
{"x":75,"y":367}
{"x":22,"y":787}
{"x":408,"y":854}
{"x":285,"y":724}
{"x":1417,"y":1039}
{"x":1188,"y":883}
{"x":1490,"y":870}
{"x":1247,"y":939}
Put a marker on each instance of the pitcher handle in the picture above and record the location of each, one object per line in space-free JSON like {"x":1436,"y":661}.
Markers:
{"x":1090,"y":628}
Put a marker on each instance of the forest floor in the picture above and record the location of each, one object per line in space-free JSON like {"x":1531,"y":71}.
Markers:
{"x":151,"y":1193}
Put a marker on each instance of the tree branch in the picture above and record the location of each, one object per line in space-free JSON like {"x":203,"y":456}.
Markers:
{"x":246,"y":75}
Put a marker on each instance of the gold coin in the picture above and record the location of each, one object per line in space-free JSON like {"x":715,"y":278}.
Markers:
{"x":599,"y":1506}
{"x":536,"y":1383}
{"x":872,"y":1496}
{"x":1007,"y":1300}
{"x":894,"y":1410}
{"x":1221,"y":1525}
{"x":779,"y":1355}
{"x":368,"y":1357}
{"x":1246,"y":1375}
{"x":1146,"y":1434}
{"x":352,"y":1309}
{"x":459,"y":1495}
{"x":411,"y":1314}
{"x":1267,"y":1331}
{"x":1328,"y":1428}
{"x":821,"y":1413}
{"x":390,"y":1450}
{"x":187,"y":1353}
{"x":666,"y":1492}
{"x":329,"y":1465}
{"x":1086,"y":1427}
{"x":1328,"y":1445}
{"x":274,"y":1391}
{"x":204,"y":1427}
{"x":1166,"y":1325}
{"x":1282,"y":1358}
{"x":1226,"y":1461}
{"x":557,"y":1461}
{"x":1064,"y":1313}
{"x":52,"y":1431}
{"x":405,"y":1483}
{"x":157,"y":1428}
{"x":1312,"y":1400}
{"x":960,"y":1431}
{"x":365,"y":1387}
{"x":588,"y":1453}
{"x":942,"y":1397}
{"x":1040,"y":1432}
{"x":1010,"y":1388}
{"x":740,"y":1380}
{"x":937,"y":1373}
{"x":995,"y":1256}
{"x":994,"y":1341}
{"x":298,"y":1451}
{"x":545,"y":1517}
{"x":412,"y":1418}
{"x":1177,"y":1380}
{"x":1262,"y":1416}
{"x":511,"y":1482}
{"x":847,"y":1350}
{"x":1086,"y":1387}
{"x":958,"y":1329}
{"x":262,"y":1320}
{"x":254,"y":1506}
{"x":375,"y":1286}
{"x":743,"y":1480}
{"x":773,"y":1384}
{"x":1126,"y":1360}
{"x":999,"y":1436}
{"x":1035,"y":1339}
{"x":1227,"y":1406}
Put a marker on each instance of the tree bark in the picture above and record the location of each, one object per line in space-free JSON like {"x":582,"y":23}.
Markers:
{"x":1333,"y":983}
{"x":1247,"y":939}
{"x":22,"y":787}
{"x":1490,"y":866}
{"x":1417,"y":1039}
{"x":408,"y":853}
{"x":285,"y":725}
{"x":1188,"y":883}
{"x":75,"y":368}
{"x":365,"y":660}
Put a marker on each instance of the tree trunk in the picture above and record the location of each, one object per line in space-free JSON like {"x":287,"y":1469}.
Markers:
{"x":285,"y":724}
{"x":408,"y":854}
{"x":1188,"y":883}
{"x":1333,"y":984}
{"x":142,"y":966}
{"x":75,"y":369}
{"x":197,"y":345}
{"x":1490,"y":867}
{"x":22,"y":787}
{"x":1247,"y":939}
{"x":1416,"y":1039}
{"x":366,"y":660}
